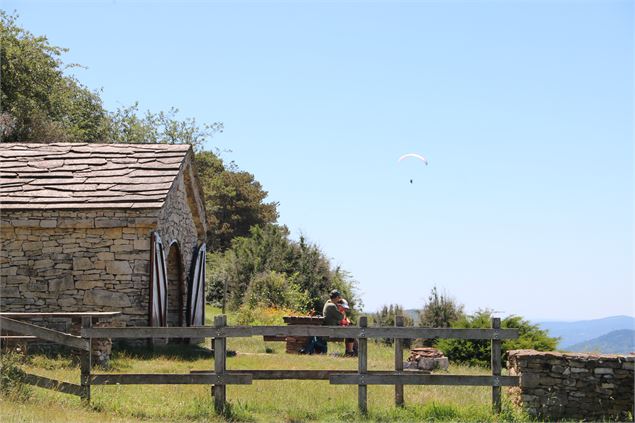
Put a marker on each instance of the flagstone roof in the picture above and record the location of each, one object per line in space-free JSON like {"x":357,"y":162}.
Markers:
{"x":88,"y":176}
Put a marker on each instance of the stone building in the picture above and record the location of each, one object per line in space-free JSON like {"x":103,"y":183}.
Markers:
{"x":102,"y":227}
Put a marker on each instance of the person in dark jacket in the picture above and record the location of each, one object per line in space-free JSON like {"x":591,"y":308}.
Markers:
{"x":331,"y":313}
{"x":333,"y":316}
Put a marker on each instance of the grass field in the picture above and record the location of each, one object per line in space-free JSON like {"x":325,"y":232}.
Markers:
{"x":290,"y":401}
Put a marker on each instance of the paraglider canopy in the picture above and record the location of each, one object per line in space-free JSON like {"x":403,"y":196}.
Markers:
{"x":415,"y":156}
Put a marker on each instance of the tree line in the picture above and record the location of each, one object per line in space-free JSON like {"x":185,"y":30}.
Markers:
{"x":443,"y":311}
{"x":41,"y":103}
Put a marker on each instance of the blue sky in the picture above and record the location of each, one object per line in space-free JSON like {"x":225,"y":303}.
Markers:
{"x":523,"y":109}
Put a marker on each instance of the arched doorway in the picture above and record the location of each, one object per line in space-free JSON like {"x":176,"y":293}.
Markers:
{"x":175,"y":286}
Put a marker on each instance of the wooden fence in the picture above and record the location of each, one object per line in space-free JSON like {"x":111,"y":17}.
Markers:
{"x":220,"y":376}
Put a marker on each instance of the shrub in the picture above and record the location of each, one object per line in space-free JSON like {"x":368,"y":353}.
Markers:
{"x":440,"y":310}
{"x":478,"y":352}
{"x":262,"y":316}
{"x":273,"y":289}
{"x":386,"y":317}
{"x":12,"y":377}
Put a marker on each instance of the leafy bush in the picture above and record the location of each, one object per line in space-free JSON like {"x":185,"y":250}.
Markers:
{"x":273,"y":289}
{"x":262,"y":316}
{"x":12,"y":377}
{"x":478,"y":352}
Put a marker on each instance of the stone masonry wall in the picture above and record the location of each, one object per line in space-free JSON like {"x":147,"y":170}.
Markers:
{"x":91,"y":260}
{"x":556,"y":386}
{"x":175,"y":223}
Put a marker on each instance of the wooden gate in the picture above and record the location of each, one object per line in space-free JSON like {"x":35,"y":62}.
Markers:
{"x":158,"y":283}
{"x":196,"y":289}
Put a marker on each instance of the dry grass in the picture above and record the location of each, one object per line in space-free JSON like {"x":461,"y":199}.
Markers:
{"x":262,"y":401}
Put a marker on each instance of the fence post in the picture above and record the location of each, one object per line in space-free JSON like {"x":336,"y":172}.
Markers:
{"x":399,"y":401}
{"x":85,"y":363}
{"x":496,"y":367}
{"x":220,"y":354}
{"x":362,"y":350}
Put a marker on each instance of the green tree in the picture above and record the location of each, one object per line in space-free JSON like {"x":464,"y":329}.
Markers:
{"x":478,"y":352}
{"x":126,"y":126}
{"x":440,"y":310}
{"x":235,"y":201}
{"x":386,"y":316}
{"x":39,"y":102}
{"x":269,"y":249}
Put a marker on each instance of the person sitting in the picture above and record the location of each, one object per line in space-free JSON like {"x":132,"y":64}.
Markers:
{"x":350,"y":345}
{"x":331,"y":313}
{"x":335,"y":314}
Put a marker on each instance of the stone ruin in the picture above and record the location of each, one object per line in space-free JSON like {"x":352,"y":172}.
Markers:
{"x":427,"y":359}
{"x":578,"y":386}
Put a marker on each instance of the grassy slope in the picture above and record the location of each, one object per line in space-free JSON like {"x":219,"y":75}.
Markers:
{"x":262,"y":401}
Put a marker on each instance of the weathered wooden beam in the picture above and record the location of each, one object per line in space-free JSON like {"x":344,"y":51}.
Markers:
{"x":85,"y":363}
{"x":300,"y":330}
{"x":399,"y":397}
{"x":172,"y":379}
{"x":410,"y":378}
{"x":496,"y":366}
{"x":284,"y":374}
{"x":220,"y":359}
{"x":56,"y":385}
{"x":44,"y":333}
{"x":362,"y":367}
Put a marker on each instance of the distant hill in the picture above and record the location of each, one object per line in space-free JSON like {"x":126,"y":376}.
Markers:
{"x":572,"y":333}
{"x":615,"y":342}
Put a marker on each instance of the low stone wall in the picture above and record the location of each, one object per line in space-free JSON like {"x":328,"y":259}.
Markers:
{"x":556,"y":386}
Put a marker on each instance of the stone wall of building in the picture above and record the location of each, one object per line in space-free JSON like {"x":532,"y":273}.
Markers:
{"x":557,"y":386}
{"x":91,"y":260}
{"x":175,"y":223}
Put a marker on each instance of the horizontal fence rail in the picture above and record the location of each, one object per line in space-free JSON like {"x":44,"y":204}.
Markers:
{"x":172,"y":379}
{"x":410,"y":378}
{"x":299,"y":330}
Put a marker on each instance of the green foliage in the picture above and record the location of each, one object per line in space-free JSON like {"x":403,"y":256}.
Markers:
{"x":234,"y":201}
{"x":478,"y":352}
{"x":273,"y":289}
{"x":386,"y":317}
{"x":440,"y":310}
{"x":260,"y":315}
{"x":12,"y":377}
{"x":269,"y":249}
{"x":125,"y":126}
{"x":39,"y":102}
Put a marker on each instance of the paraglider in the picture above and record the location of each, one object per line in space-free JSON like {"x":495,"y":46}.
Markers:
{"x":414,"y":156}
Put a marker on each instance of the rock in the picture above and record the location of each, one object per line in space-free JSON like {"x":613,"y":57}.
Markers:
{"x":102,"y":297}
{"x":105,"y":256}
{"x":118,"y":267}
{"x":82,"y":263}
{"x":62,"y":284}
